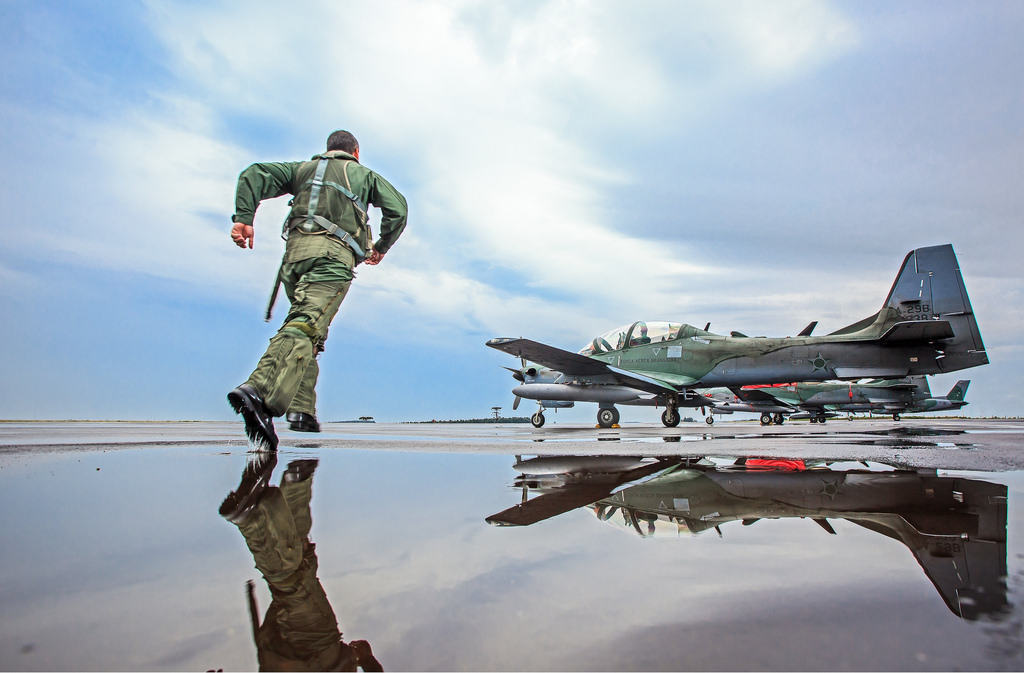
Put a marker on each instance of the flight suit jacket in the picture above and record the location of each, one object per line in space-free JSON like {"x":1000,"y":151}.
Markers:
{"x":272,"y":179}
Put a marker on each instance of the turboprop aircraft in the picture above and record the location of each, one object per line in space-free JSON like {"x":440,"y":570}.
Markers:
{"x":954,"y":527}
{"x":925,"y":326}
{"x":819,"y":401}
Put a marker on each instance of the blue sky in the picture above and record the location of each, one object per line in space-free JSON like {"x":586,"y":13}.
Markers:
{"x":570,"y":166}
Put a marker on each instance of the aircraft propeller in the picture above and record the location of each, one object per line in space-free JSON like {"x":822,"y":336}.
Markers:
{"x":516,"y":374}
{"x":519,"y":375}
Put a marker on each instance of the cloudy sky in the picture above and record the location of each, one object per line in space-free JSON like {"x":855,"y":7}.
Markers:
{"x":570,"y":167}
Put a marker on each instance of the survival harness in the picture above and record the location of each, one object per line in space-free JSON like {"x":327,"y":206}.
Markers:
{"x":332,"y":229}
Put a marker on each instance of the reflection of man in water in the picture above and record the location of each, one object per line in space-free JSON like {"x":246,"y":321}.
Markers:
{"x":299,"y":631}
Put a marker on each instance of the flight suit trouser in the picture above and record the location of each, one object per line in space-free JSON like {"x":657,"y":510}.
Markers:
{"x":287,"y":373}
{"x":300,"y":624}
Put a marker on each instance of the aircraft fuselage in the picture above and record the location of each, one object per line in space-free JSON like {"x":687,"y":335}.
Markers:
{"x":716,"y":360}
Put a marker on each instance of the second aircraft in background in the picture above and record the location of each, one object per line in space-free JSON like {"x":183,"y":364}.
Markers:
{"x":820,"y":401}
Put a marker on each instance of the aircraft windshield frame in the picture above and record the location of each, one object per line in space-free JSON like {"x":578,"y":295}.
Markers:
{"x":639,"y":333}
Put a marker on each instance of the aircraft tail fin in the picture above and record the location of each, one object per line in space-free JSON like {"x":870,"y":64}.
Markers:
{"x":930,"y":287}
{"x":958,"y":392}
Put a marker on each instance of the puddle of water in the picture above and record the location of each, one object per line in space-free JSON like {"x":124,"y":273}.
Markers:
{"x":120,"y":560}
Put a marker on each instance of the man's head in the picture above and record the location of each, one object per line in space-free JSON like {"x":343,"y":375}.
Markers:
{"x":344,"y":141}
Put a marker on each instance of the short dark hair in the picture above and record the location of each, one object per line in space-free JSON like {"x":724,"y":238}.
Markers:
{"x":342,"y":140}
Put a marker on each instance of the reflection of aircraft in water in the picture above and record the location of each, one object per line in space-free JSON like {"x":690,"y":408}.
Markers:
{"x":955,"y":527}
{"x":925,"y":326}
{"x":819,"y":401}
{"x":299,"y":631}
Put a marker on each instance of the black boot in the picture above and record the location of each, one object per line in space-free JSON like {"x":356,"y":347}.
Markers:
{"x":302,"y":422}
{"x":240,"y":502}
{"x":299,"y":470}
{"x":259,"y":423}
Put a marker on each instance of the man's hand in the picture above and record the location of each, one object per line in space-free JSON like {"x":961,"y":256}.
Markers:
{"x":364,"y":656}
{"x":374,"y":258}
{"x":242,"y":234}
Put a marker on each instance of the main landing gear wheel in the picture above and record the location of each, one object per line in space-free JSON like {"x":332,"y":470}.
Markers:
{"x":778,"y":419}
{"x":606,"y":418}
{"x":710,"y":420}
{"x":670,"y":417}
{"x":895,"y":417}
{"x":766,"y":419}
{"x":537,"y":419}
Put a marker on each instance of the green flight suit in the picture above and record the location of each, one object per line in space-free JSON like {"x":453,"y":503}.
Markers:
{"x":317,"y":268}
{"x":300,"y":630}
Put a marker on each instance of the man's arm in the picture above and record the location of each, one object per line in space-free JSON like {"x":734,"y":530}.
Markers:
{"x":257,"y":183}
{"x":394,"y":214}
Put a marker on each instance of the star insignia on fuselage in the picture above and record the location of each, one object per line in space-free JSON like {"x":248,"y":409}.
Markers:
{"x":829,"y":489}
{"x":819,"y":363}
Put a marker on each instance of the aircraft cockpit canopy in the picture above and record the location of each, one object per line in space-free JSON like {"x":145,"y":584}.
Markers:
{"x":645,"y":524}
{"x":639,"y":333}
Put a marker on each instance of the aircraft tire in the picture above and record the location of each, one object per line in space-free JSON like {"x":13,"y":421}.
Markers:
{"x":895,"y":417}
{"x":607,"y":417}
{"x":537,"y":419}
{"x":778,"y":419}
{"x":670,"y":418}
{"x":710,"y":420}
{"x":814,"y":419}
{"x":766,"y":419}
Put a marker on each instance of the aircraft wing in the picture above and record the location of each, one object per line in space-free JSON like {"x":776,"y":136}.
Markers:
{"x":571,"y":496}
{"x":551,"y":504}
{"x":759,"y":396}
{"x":884,"y":401}
{"x":753,"y":395}
{"x":574,"y":364}
{"x":564,"y":361}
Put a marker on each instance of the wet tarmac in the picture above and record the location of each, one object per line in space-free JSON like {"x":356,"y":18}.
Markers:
{"x":863,"y":545}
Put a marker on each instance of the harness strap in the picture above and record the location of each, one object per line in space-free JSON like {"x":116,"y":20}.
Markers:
{"x":332,"y":229}
{"x":318,"y":183}
{"x":314,"y":197}
{"x":356,"y":201}
{"x":338,"y":232}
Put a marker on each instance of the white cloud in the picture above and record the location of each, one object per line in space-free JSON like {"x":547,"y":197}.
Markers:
{"x":480,"y":105}
{"x":154,"y":198}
